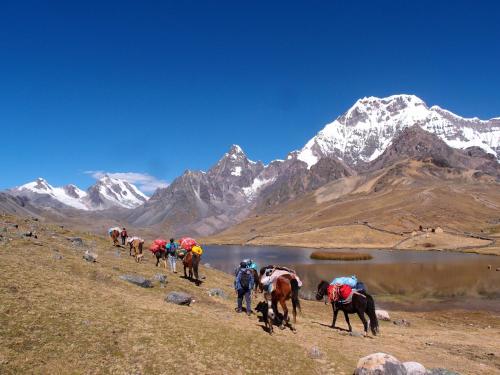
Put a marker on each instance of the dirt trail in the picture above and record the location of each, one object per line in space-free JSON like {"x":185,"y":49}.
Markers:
{"x":61,"y":314}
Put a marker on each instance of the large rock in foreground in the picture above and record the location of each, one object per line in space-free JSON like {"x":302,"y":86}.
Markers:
{"x":383,"y":315}
{"x":379,"y":364}
{"x":137,"y":280}
{"x":179,"y":298}
{"x":414,"y":368}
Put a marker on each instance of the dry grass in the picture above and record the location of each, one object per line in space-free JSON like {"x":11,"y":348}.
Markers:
{"x":329,"y":255}
{"x":68,"y":316}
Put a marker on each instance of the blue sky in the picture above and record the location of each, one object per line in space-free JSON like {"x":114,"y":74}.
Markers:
{"x":157,"y":87}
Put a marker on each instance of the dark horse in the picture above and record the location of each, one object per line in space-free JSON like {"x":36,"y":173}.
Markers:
{"x":191,"y":261}
{"x":361,"y":303}
{"x":285,"y":287}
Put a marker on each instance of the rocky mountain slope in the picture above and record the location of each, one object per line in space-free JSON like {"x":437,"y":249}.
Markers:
{"x":418,"y":181}
{"x":106,"y":193}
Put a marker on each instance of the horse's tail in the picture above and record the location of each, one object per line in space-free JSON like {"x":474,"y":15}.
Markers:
{"x":370,"y":310}
{"x":295,"y":296}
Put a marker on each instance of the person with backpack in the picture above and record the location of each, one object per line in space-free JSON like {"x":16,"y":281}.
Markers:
{"x":243,"y":284}
{"x":172,"y":255}
{"x":123,"y":235}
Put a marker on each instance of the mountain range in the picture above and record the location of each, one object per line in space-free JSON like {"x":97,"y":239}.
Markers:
{"x":374,"y":134}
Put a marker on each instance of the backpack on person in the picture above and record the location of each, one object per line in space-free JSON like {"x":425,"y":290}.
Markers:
{"x":245,"y":277}
{"x":172,"y":247}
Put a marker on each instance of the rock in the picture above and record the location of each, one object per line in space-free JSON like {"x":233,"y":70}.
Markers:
{"x":28,"y":234}
{"x":356,"y":334}
{"x":383,"y":315}
{"x":162,"y":279}
{"x":378,"y":364}
{"x":441,"y":371}
{"x":217,"y":292}
{"x":179,"y":298}
{"x":401,"y":322}
{"x":89,"y":257}
{"x":315,"y":353}
{"x":118,"y":254}
{"x":414,"y":368}
{"x":207,"y":265}
{"x":137,"y":280}
{"x":57,"y":256}
{"x":203,"y":277}
{"x":498,"y":269}
{"x":77,"y":241}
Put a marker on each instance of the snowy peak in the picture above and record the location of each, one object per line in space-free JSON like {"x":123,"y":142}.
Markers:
{"x":106,"y":193}
{"x":366,"y":129}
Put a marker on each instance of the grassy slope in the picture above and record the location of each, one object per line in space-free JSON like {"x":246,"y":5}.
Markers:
{"x":70,"y":316}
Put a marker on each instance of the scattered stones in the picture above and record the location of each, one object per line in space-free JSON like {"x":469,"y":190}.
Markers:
{"x":89,"y":257}
{"x":383,"y":315}
{"x":178,"y":298}
{"x":217,"y":292}
{"x":162,"y":279}
{"x":137,"y":280}
{"x":77,"y":241}
{"x":401,"y":322}
{"x":379,"y":363}
{"x":315,"y":353}
{"x":57,"y":256}
{"x":441,"y":371}
{"x":414,"y":368}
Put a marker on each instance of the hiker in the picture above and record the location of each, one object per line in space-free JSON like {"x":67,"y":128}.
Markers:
{"x":123,"y":234}
{"x":172,"y":255}
{"x":243,"y":284}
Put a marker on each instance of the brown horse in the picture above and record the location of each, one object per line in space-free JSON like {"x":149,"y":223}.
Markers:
{"x":191,"y":261}
{"x":115,"y":234}
{"x":285,"y":287}
{"x":136,"y":245}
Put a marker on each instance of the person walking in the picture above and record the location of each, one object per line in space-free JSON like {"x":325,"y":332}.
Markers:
{"x":172,"y":255}
{"x":123,"y":234}
{"x":243,"y":285}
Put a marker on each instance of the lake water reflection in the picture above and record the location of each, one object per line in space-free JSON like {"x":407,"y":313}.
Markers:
{"x":410,"y":279}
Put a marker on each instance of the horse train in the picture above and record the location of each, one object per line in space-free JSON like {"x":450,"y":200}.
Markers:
{"x":277,"y":284}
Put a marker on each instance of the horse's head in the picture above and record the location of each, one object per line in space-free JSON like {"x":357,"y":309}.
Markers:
{"x":322,"y":289}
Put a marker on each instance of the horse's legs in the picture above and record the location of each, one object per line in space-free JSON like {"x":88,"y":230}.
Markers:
{"x":346,"y":315}
{"x":285,"y":320}
{"x":335,"y":313}
{"x":361,"y":315}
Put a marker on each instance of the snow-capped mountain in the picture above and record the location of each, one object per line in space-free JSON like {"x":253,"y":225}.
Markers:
{"x":362,"y":133}
{"x":106,"y":193}
{"x":110,"y":192}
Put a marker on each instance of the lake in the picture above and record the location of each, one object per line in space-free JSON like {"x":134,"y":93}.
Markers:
{"x":413,"y":280}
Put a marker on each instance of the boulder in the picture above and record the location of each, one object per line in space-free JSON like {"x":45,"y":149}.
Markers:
{"x":383,"y":315}
{"x":89,"y":257}
{"x":137,"y":280}
{"x":179,"y":298}
{"x":401,"y":322}
{"x":207,"y":265}
{"x":315,"y":353}
{"x":162,"y":279}
{"x":378,"y":364}
{"x":77,"y":241}
{"x":441,"y":371}
{"x":217,"y":292}
{"x":57,"y":256}
{"x":414,"y":368}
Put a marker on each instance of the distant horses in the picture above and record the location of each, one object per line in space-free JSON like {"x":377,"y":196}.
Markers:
{"x":136,"y":245}
{"x":191,"y":261}
{"x":361,"y":303}
{"x":161,"y":255}
{"x":115,"y":234}
{"x":285,"y":287}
